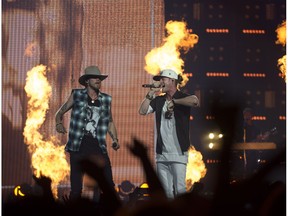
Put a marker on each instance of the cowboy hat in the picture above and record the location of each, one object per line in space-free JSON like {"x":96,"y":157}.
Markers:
{"x":166,"y":73}
{"x":91,"y":72}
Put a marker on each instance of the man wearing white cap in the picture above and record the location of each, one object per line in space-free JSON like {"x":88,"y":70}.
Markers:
{"x":91,"y":119}
{"x":172,"y":113}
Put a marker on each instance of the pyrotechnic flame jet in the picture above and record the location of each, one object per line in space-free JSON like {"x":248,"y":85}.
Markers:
{"x":281,"y":39}
{"x":196,"y":168}
{"x":47,"y":156}
{"x":167,"y":56}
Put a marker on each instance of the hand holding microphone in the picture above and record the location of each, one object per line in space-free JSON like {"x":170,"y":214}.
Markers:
{"x":154,"y":87}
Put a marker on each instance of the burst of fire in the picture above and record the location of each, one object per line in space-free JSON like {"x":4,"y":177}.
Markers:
{"x":282,"y":66}
{"x":281,"y":39}
{"x":167,"y":56}
{"x":195,"y":168}
{"x":47,"y":156}
{"x":281,"y":34}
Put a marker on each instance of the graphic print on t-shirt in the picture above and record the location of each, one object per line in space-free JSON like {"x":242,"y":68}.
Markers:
{"x":92,"y":119}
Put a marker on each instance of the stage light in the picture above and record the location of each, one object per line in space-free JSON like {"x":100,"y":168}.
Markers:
{"x":253,"y":31}
{"x":189,"y":74}
{"x":17,"y":191}
{"x":259,"y":118}
{"x":214,"y":140}
{"x":258,"y":75}
{"x":144,"y":185}
{"x":22,"y":190}
{"x":209,"y":117}
{"x":221,"y":31}
{"x":217,"y":74}
{"x":141,"y":193}
{"x":211,"y":135}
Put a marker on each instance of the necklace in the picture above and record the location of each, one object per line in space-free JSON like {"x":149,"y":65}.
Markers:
{"x":93,"y":99}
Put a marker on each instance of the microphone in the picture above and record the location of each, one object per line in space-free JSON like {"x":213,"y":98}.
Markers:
{"x":149,"y":86}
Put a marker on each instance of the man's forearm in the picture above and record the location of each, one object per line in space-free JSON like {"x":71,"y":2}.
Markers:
{"x":146,"y":102}
{"x":191,"y":100}
{"x":144,"y":107}
{"x":60,"y":113}
{"x":63,"y":109}
{"x":112,"y":131}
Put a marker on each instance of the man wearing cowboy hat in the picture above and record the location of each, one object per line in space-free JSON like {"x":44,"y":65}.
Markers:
{"x":91,"y":119}
{"x":172,"y":113}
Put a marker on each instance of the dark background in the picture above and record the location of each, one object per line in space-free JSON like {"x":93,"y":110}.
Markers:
{"x":234,"y":53}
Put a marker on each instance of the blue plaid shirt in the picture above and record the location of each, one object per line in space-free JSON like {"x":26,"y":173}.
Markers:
{"x":78,"y":119}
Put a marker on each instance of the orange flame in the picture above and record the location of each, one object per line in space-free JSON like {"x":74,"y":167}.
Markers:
{"x":281,"y":33}
{"x":167,"y":56}
{"x":195,"y":168}
{"x":281,"y":39}
{"x":281,"y":63}
{"x":47,"y":157}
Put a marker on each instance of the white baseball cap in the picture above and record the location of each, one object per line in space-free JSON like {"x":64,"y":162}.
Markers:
{"x":166,"y":73}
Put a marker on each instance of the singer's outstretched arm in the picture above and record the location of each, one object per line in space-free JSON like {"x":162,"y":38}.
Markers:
{"x":191,"y":101}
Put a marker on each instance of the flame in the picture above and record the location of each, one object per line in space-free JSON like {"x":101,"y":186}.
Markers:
{"x":281,"y":33}
{"x":282,"y":66}
{"x":195,"y":168}
{"x":167,"y":56}
{"x":47,"y":157}
{"x":281,"y":39}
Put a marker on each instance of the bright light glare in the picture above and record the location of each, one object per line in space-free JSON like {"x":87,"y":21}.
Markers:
{"x":211,"y":145}
{"x":211,"y":135}
{"x":220,"y":136}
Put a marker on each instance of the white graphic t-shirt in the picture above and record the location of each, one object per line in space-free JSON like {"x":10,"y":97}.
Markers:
{"x":92,"y":119}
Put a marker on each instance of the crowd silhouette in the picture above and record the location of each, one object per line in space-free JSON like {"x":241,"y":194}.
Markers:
{"x":251,"y":196}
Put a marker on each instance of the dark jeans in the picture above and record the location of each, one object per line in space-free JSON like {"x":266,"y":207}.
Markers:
{"x":89,"y":147}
